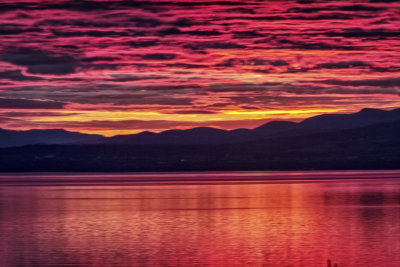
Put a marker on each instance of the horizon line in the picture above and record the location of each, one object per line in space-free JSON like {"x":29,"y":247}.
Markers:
{"x":190,"y":128}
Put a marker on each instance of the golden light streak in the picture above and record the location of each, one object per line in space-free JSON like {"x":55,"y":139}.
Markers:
{"x":276,"y":112}
{"x":230,"y":115}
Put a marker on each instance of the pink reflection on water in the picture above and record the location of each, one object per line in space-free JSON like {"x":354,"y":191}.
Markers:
{"x":353,"y":223}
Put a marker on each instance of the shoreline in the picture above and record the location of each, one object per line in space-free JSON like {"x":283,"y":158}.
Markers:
{"x":198,"y":178}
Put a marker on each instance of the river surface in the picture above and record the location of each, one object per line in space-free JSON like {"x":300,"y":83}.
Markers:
{"x":201,"y":219}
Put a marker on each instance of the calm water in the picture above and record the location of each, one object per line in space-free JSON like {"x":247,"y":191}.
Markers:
{"x":121,"y":220}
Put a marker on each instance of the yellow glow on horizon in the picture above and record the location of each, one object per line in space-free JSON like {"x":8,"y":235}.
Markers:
{"x":276,"y":112}
{"x":229,"y":115}
{"x":108,"y":133}
{"x":104,"y":117}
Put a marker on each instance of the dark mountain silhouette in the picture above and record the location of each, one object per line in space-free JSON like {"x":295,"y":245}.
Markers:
{"x":9,"y":138}
{"x":206,"y":135}
{"x":200,"y":135}
{"x":367,"y":116}
{"x":276,"y":126}
{"x":374,"y":146}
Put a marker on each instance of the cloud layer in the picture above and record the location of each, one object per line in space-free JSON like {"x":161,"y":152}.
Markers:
{"x":187,"y":63}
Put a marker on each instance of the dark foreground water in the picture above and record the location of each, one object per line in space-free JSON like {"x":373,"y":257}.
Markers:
{"x":221,"y":219}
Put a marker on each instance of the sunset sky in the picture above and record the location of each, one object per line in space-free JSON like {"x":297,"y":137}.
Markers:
{"x":118,"y":67}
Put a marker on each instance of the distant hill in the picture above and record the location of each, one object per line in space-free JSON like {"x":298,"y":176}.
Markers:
{"x":207,"y":135}
{"x":367,"y":116}
{"x":200,"y":135}
{"x":374,"y":146}
{"x":9,"y":138}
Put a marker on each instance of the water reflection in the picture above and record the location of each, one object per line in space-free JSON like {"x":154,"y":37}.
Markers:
{"x":293,"y":224}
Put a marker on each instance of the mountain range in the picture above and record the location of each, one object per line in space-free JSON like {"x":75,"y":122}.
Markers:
{"x":368,"y":139}
{"x":207,"y":135}
{"x":10,"y":138}
{"x":374,"y":146}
